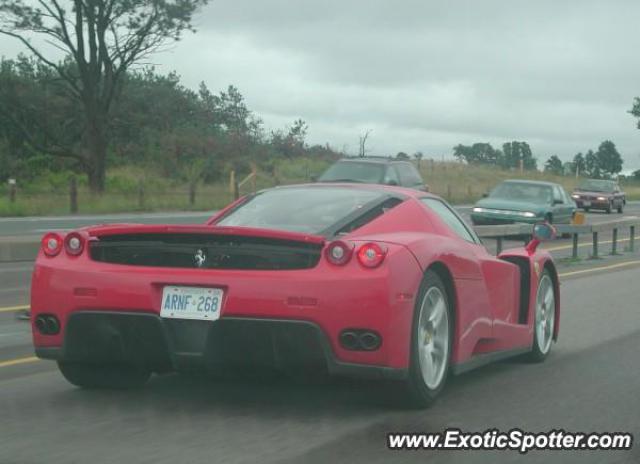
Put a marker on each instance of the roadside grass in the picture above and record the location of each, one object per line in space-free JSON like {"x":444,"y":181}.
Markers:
{"x":134,"y":188}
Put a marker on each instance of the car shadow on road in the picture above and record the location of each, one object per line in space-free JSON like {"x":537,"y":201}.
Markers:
{"x":272,"y":394}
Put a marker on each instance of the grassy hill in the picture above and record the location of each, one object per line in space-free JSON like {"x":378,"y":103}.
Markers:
{"x":141,"y":189}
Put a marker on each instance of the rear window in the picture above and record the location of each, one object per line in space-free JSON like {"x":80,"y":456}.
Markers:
{"x":524,"y":192}
{"x":597,"y":185}
{"x":409,"y":175}
{"x":369,"y":173}
{"x":306,"y":209}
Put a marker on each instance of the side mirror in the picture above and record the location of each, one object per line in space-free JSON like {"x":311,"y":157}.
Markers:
{"x":558,"y":202}
{"x":485,"y":194}
{"x":542,"y":232}
{"x":392,"y":182}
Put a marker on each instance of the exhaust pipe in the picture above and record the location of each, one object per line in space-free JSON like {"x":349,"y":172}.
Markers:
{"x":53,"y":326}
{"x":349,"y":340}
{"x":41,"y":324}
{"x":47,"y":324}
{"x":369,"y":341}
{"x":360,"y":340}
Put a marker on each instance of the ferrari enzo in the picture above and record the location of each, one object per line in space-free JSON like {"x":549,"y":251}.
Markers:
{"x":351,"y":279}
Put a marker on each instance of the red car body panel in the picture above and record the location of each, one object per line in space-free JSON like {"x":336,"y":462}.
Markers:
{"x":486,"y":289}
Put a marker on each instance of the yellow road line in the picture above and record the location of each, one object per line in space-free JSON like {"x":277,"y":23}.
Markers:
{"x":13,"y":308}
{"x":13,"y":362}
{"x":601,"y":268}
{"x":584,"y":244}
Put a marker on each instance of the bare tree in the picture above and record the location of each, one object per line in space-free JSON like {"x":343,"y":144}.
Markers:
{"x":363,"y":143}
{"x":101,"y":39}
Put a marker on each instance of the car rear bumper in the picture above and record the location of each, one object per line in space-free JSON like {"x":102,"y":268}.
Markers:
{"x":227,"y":344}
{"x":331,"y":299}
{"x":593,"y":204}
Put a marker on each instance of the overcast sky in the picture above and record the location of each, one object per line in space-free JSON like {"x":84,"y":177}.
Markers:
{"x":425,"y":75}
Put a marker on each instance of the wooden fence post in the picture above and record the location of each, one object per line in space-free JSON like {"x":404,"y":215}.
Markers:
{"x":12,"y":190}
{"x":73,"y":195}
{"x":141,"y":195}
{"x":192,"y":193}
{"x":233,"y":185}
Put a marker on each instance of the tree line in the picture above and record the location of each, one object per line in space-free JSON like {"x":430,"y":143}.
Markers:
{"x":605,"y":162}
{"x":95,"y":107}
{"x":155,"y":121}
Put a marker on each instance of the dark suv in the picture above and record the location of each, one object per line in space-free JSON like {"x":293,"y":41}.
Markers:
{"x":370,"y":170}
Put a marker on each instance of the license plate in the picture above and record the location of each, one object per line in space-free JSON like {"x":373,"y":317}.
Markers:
{"x":191,"y":303}
{"x":586,"y":203}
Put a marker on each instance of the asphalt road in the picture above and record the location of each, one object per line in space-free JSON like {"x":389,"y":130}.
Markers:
{"x":589,"y":383}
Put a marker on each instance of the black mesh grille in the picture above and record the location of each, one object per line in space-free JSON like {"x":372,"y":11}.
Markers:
{"x":205,"y":251}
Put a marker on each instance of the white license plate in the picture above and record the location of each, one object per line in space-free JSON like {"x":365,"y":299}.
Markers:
{"x":586,"y":203}
{"x":191,"y":303}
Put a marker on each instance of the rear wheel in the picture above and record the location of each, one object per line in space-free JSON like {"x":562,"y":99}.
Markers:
{"x":621,"y":207}
{"x":431,"y":341}
{"x":114,"y":376}
{"x":544,"y":323}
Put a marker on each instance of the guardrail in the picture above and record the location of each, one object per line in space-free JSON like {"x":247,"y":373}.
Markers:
{"x":26,"y":248}
{"x":523,"y":231}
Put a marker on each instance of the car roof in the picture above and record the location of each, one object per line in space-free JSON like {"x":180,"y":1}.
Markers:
{"x":600,"y":180}
{"x":389,"y":189}
{"x":372,"y":160}
{"x":531,"y":182}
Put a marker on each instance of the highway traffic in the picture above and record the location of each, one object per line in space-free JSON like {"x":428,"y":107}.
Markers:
{"x":589,"y":383}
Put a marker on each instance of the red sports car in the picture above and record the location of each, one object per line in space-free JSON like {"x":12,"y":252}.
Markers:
{"x":359,"y":280}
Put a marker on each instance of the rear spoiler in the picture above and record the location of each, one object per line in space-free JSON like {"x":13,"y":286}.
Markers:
{"x":121,"y":229}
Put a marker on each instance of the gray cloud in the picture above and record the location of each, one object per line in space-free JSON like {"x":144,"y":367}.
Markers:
{"x":426,"y":75}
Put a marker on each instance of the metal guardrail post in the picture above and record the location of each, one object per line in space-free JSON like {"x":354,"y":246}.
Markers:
{"x":614,"y":242}
{"x":594,"y":254}
{"x":574,"y":248}
{"x":632,"y":237}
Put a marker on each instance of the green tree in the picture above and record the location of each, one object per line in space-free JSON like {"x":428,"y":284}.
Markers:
{"x":101,"y":39}
{"x":291,"y":142}
{"x":578,"y":164}
{"x":514,"y":152}
{"x":478,"y":153}
{"x":554,"y":166}
{"x":609,"y":160}
{"x":402,"y":156}
{"x":592,"y":165}
{"x":36,"y":117}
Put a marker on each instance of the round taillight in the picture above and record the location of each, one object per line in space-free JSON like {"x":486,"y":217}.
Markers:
{"x":51,"y":244}
{"x":74,"y":244}
{"x":371,"y":255}
{"x":339,"y":253}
